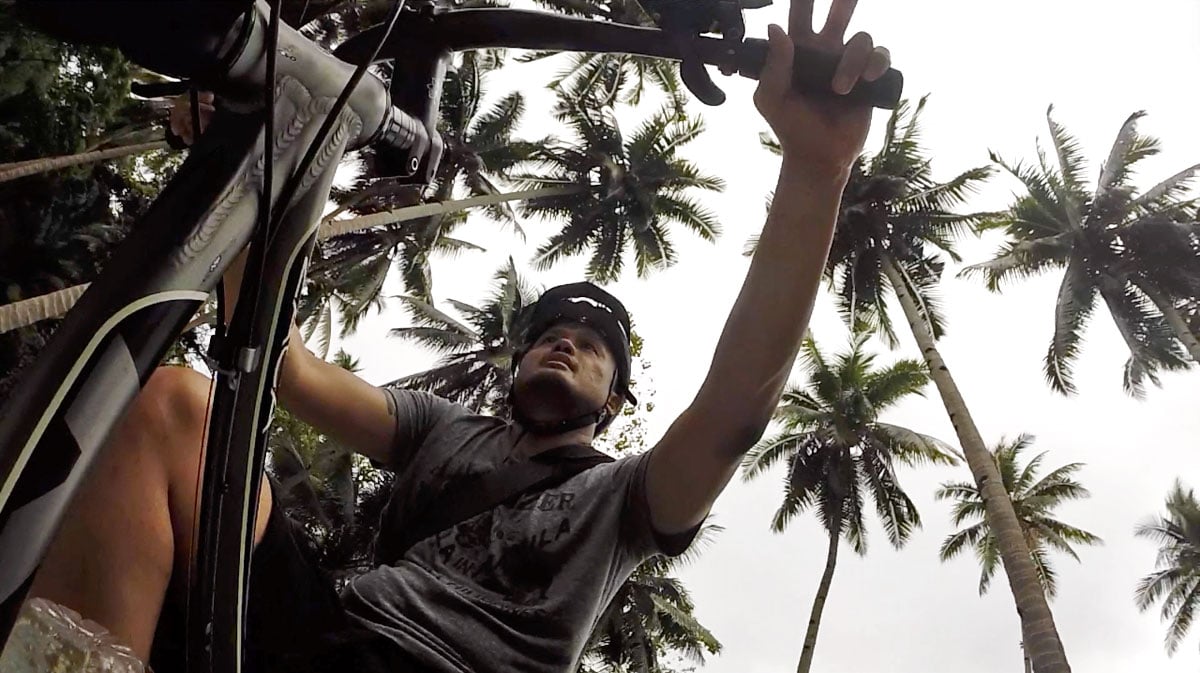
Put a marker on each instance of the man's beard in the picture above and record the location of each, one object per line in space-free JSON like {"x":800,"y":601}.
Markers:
{"x":549,"y":398}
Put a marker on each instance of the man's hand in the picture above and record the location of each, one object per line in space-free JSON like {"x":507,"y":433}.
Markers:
{"x":181,"y":115}
{"x":821,"y":138}
{"x":819,"y":133}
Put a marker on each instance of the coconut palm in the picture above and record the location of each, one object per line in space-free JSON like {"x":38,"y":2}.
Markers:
{"x":57,"y":229}
{"x":476,"y":368}
{"x":1138,"y":254}
{"x":631,"y":191}
{"x":479,"y":149}
{"x":895,"y":222}
{"x":838,"y":453}
{"x":1176,"y":580}
{"x":650,"y":619}
{"x":1033,"y":499}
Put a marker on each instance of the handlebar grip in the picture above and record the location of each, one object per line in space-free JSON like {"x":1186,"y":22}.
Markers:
{"x":403,"y":144}
{"x":812,"y":72}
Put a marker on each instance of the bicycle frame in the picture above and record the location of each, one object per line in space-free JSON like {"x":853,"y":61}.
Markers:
{"x":110,"y":343}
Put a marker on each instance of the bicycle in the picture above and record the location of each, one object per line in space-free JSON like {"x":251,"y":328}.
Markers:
{"x":313,"y":107}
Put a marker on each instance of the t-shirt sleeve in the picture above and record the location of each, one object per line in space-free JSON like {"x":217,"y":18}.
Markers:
{"x":639,"y":532}
{"x":416,"y":413}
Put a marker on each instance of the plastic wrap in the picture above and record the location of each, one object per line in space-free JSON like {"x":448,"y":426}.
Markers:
{"x":49,"y":638}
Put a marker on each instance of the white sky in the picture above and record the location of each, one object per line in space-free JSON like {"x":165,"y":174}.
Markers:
{"x":992,"y":69}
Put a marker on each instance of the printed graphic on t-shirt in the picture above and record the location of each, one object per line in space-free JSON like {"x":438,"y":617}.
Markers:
{"x":512,"y":551}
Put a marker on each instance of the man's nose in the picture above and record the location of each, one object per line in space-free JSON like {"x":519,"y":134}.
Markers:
{"x":564,"y":343}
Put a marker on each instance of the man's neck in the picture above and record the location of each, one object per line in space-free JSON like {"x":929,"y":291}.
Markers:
{"x":530,"y":445}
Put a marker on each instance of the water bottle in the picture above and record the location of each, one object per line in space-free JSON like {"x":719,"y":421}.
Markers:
{"x":50,"y":638}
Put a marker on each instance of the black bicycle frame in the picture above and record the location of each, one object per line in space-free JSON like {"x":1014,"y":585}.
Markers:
{"x":110,"y":343}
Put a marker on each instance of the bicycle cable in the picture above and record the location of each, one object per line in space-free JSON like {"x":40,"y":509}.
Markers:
{"x":269,"y":218}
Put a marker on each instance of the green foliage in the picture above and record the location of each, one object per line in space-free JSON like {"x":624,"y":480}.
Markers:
{"x":894,"y":211}
{"x":631,"y":191}
{"x":57,"y":229}
{"x":476,"y":368}
{"x":1033,"y":500}
{"x":1176,"y":579}
{"x":337,"y":494}
{"x":610,"y":79}
{"x":837,"y":450}
{"x":349,"y":271}
{"x":650,"y":622}
{"x":1140,"y":255}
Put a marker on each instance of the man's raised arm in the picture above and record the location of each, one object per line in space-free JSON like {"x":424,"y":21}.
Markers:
{"x":821,"y":138}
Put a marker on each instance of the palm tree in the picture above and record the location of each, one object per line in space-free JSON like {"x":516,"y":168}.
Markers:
{"x":650,"y":618}
{"x":476,"y":369}
{"x":21,"y":169}
{"x":838,"y":451}
{"x":1139,"y":254}
{"x":611,"y":78}
{"x":57,"y":229}
{"x":631,"y":190}
{"x":1033,"y":499}
{"x":337,"y":495}
{"x":1176,"y":580}
{"x":479,"y":149}
{"x":893,"y":220}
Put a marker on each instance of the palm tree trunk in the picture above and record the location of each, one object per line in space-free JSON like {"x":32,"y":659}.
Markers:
{"x":814,"y":619}
{"x":1025,"y":656}
{"x":1174,"y":319}
{"x":23,"y":169}
{"x":56,"y":304}
{"x":1038,"y":631}
{"x":42,"y":307}
{"x":341,"y":227}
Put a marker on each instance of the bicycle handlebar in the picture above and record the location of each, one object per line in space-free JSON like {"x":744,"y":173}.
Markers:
{"x":423,"y":36}
{"x":384,"y":125}
{"x":460,"y":30}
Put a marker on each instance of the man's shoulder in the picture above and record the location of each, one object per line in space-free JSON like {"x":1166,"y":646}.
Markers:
{"x":432,"y":402}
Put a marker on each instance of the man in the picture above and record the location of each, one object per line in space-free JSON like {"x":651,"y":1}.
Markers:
{"x":518,"y":587}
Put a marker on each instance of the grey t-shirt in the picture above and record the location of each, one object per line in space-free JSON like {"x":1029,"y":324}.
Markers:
{"x":518,"y":588}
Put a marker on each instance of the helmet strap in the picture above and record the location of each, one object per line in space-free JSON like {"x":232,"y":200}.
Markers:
{"x":550,"y":428}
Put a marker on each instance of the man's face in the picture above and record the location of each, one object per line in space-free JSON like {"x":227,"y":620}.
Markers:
{"x":568,"y":371}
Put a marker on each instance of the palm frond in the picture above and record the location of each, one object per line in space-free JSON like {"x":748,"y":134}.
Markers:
{"x":770,"y":143}
{"x":766,"y":453}
{"x":1168,"y":191}
{"x":1070,"y":155}
{"x":1129,"y":148}
{"x":1076,"y":300}
{"x":689,"y":213}
{"x":1021,"y":260}
{"x":1152,"y":345}
{"x":960,"y":540}
{"x":885,"y":387}
{"x":914,"y":448}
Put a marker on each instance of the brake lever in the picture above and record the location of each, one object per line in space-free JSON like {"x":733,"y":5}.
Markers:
{"x":694,"y":73}
{"x":683,"y":24}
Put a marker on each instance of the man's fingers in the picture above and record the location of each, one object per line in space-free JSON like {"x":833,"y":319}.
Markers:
{"x":878,"y":63}
{"x":800,"y":18}
{"x":840,"y":13}
{"x":853,"y":64}
{"x":776,"y":75}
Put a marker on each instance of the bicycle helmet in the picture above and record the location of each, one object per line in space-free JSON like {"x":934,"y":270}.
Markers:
{"x":589,"y":305}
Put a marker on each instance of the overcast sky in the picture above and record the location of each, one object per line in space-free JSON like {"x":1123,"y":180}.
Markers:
{"x":992,"y":69}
